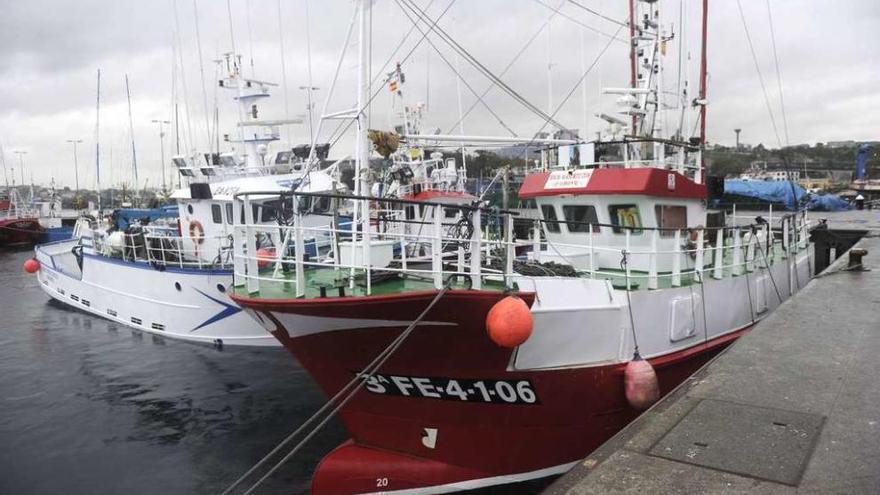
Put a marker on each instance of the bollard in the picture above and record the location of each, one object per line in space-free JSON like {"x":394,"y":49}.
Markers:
{"x":855,"y":259}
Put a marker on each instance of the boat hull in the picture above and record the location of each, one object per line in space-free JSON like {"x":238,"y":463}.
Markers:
{"x":451,"y":410}
{"x":15,"y":232}
{"x":184,"y":304}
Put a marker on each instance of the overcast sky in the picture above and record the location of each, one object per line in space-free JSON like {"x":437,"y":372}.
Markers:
{"x":53,"y":48}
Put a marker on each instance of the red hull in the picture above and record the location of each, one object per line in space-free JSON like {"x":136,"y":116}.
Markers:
{"x":479,"y":440}
{"x":20,"y":231}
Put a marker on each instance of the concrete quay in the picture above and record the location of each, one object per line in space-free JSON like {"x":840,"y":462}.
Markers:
{"x":793,"y":407}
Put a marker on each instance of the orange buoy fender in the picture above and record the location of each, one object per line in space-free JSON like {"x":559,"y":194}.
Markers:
{"x":509,"y":322}
{"x":640,"y":382}
{"x":264,"y":257}
{"x":32,"y":265}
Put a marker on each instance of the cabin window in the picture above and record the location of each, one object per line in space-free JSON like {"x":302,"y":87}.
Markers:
{"x":670,"y":217}
{"x":320,"y":205}
{"x":268,"y":211}
{"x":410,"y":212}
{"x":229,"y":213}
{"x":217,"y":213}
{"x":579,"y":218}
{"x":450,"y":212}
{"x":625,"y":216}
{"x":550,"y":220}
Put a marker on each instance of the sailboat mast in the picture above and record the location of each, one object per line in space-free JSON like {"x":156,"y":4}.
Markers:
{"x":98,"y":140}
{"x":134,"y":166}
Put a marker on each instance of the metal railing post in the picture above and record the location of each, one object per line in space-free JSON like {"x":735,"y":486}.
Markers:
{"x":476,"y":251}
{"x":698,"y":258}
{"x":367,"y":221}
{"x":536,"y":242}
{"x":676,"y":260}
{"x":436,"y":251}
{"x":299,"y":251}
{"x":652,"y":261}
{"x":253,"y":271}
{"x":238,"y":262}
{"x":737,"y":253}
{"x":629,"y":261}
{"x":750,"y":251}
{"x":592,"y":255}
{"x":511,"y":252}
{"x":718,"y":272}
{"x":785,"y":239}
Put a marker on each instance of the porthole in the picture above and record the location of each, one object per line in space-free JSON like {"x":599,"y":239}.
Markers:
{"x":177,"y":286}
{"x":221,"y":288}
{"x":189,"y":208}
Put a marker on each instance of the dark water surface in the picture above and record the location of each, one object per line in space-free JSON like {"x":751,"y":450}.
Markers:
{"x":90,"y":406}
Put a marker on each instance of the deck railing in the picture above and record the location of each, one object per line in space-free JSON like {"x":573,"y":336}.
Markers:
{"x":162,"y":247}
{"x":477,"y":245}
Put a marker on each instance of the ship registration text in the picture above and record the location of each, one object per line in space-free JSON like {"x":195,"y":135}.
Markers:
{"x":488,"y":391}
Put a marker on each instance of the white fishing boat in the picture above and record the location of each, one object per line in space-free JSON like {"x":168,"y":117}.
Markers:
{"x":171,"y":278}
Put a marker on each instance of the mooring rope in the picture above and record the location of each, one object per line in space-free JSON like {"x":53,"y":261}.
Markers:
{"x":347,"y":391}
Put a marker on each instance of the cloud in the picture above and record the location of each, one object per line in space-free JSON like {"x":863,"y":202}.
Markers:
{"x":53,"y":48}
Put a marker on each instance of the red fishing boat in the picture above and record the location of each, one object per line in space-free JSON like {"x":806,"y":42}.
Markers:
{"x":18,"y":225}
{"x":466,"y":366}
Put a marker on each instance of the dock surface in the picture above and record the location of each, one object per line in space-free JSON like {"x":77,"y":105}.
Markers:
{"x":792,"y":407}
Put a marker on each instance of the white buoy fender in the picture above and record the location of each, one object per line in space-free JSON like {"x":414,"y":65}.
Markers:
{"x":640,"y":382}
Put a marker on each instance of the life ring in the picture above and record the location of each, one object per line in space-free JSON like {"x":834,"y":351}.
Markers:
{"x":196,"y":232}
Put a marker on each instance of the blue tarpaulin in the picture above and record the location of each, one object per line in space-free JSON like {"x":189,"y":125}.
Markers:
{"x":784,"y":193}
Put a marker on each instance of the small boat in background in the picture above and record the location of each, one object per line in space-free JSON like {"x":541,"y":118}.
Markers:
{"x":19,"y":225}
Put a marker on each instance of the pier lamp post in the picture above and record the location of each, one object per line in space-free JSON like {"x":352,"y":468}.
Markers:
{"x":21,"y":163}
{"x":75,"y":164}
{"x":162,"y":149}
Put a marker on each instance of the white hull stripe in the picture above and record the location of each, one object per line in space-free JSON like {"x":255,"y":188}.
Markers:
{"x":301,"y":325}
{"x":482,"y":482}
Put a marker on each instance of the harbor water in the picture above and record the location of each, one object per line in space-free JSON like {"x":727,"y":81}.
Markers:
{"x":90,"y":406}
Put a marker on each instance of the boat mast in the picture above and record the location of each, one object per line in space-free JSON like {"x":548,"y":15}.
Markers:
{"x":98,"y":140}
{"x":632,"y":54}
{"x":362,"y":151}
{"x":703,"y":71}
{"x":134,"y":165}
{"x":3,"y":159}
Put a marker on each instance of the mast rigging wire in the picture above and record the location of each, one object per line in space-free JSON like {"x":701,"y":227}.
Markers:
{"x":457,"y":73}
{"x":202,"y":71}
{"x":510,"y":64}
{"x":283,"y":72}
{"x":250,"y":37}
{"x":309,"y":66}
{"x":578,"y":22}
{"x":346,"y":393}
{"x":576,"y":84}
{"x":444,"y":36}
{"x":344,"y":126}
{"x":758,"y":70}
{"x":189,"y":145}
{"x":598,"y":14}
{"x":778,"y":75}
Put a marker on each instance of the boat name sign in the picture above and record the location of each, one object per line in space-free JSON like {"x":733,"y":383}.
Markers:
{"x":569,"y":179}
{"x":465,"y":390}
